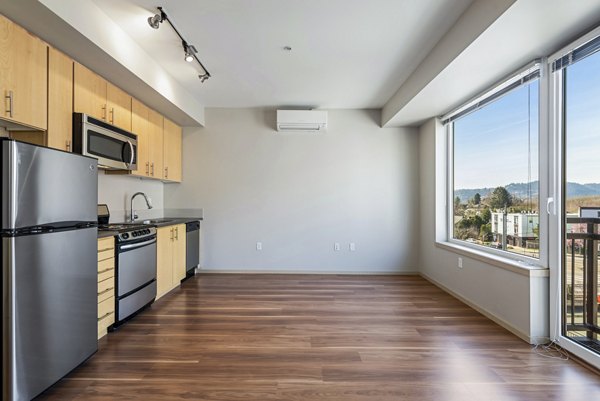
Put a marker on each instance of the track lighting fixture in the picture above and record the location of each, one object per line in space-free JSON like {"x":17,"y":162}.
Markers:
{"x":189,"y":50}
{"x":156,"y":19}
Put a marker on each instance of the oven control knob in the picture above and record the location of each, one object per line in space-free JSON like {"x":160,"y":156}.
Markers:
{"x":147,"y":231}
{"x":125,"y":236}
{"x":134,"y":233}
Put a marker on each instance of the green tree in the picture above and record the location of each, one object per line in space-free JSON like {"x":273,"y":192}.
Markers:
{"x":476,"y":199}
{"x":456,"y":204}
{"x":500,"y":198}
{"x":486,"y":215}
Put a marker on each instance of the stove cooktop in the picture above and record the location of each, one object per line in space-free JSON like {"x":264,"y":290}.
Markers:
{"x":130,"y":232}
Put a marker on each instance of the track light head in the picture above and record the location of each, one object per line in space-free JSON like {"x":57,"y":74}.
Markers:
{"x":155,"y":21}
{"x":203,"y":77}
{"x":189,"y":50}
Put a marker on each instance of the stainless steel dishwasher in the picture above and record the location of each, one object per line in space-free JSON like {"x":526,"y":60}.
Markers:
{"x":192,"y":254}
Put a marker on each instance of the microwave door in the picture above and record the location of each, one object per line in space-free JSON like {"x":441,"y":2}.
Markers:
{"x":112,"y":152}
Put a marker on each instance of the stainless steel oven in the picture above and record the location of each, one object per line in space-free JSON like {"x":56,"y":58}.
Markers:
{"x":135,"y":271}
{"x":115,"y":148}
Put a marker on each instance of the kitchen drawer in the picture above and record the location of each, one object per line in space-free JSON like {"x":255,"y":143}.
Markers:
{"x":104,"y":323}
{"x":106,"y":243}
{"x":106,"y":264}
{"x":106,"y":274}
{"x":106,"y":254}
{"x":106,"y":289}
{"x":106,"y":306}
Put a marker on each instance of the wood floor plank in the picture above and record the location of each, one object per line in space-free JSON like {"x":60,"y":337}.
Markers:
{"x":312,"y":337}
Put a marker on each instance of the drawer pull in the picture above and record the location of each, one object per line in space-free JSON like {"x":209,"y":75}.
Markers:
{"x":105,"y":291}
{"x":106,"y":270}
{"x":105,"y":249}
{"x":105,"y":315}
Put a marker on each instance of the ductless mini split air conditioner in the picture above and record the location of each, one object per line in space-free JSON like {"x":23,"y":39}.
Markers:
{"x":301,"y":120}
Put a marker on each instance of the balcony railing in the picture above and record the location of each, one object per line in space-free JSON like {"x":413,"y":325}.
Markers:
{"x":580,"y":281}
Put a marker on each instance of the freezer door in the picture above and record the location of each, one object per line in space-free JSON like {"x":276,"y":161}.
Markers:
{"x":45,"y":186}
{"x":50,"y":308}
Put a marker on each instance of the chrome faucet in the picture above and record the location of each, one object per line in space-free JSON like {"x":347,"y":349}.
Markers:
{"x":148,"y":203}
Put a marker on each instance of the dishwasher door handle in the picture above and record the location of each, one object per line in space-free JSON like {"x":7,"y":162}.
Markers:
{"x":138,"y":245}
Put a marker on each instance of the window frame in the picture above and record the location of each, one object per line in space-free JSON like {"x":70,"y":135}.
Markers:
{"x":480,"y":251}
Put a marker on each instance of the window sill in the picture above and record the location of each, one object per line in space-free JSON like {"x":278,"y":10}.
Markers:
{"x":498,"y":261}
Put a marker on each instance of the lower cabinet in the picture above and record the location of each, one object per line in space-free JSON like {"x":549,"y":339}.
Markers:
{"x":106,"y":284}
{"x":170,"y":258}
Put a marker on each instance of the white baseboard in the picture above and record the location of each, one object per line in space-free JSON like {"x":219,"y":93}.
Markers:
{"x":498,"y":320}
{"x":306,"y":271}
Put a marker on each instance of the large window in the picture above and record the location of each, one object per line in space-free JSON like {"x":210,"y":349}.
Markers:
{"x":494,"y":169}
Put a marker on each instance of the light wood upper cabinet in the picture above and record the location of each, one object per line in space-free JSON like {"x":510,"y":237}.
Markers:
{"x":139,"y":126}
{"x":155,"y":151}
{"x":89,"y":93}
{"x":95,"y":96}
{"x":60,"y":101}
{"x":119,"y":107}
{"x":23,"y":76}
{"x":170,"y":258}
{"x":172,"y":151}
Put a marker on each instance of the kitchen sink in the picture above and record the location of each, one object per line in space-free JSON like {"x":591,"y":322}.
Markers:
{"x":157,"y":221}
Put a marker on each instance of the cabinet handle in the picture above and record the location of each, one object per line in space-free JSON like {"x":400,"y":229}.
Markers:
{"x":105,"y":291}
{"x":105,"y":315}
{"x":104,"y":112}
{"x":68,"y":146}
{"x":105,"y":270}
{"x":166,"y":172}
{"x":152,"y":167}
{"x":147,"y":168}
{"x":171,"y":234}
{"x":112,"y":115}
{"x":10,"y":103}
{"x":176,"y":233}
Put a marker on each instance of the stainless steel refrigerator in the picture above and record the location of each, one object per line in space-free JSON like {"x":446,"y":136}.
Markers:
{"x":49,"y":265}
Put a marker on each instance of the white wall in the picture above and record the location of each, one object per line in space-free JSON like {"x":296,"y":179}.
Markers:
{"x":515,"y":299}
{"x":300,"y":193}
{"x":116,"y":191}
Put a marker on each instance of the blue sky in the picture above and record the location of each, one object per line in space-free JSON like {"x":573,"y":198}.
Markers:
{"x":491,"y":144}
{"x":583,"y":120}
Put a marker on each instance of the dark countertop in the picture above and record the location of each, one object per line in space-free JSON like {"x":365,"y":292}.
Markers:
{"x":159,"y":222}
{"x":106,"y":233}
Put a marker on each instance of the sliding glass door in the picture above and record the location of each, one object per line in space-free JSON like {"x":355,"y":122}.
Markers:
{"x":576,"y":77}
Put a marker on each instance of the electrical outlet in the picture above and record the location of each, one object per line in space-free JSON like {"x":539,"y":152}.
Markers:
{"x":460,"y":263}
{"x":336,"y":246}
{"x":352,"y":247}
{"x":259,"y":246}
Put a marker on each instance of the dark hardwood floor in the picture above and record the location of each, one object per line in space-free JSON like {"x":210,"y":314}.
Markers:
{"x":313,"y":337}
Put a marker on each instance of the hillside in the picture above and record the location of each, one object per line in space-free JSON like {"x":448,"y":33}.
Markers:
{"x":519,"y":190}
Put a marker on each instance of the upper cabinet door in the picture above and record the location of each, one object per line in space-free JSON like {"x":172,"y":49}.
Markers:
{"x":60,"y":108}
{"x":89,"y":94}
{"x":156,"y":135}
{"x":139,"y":126}
{"x":172,"y":151}
{"x":23,"y":76}
{"x":119,"y":107}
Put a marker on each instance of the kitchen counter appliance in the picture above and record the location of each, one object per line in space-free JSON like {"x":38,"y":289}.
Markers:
{"x":49,"y":265}
{"x":192,"y":255}
{"x":114,"y":147}
{"x":135,"y":274}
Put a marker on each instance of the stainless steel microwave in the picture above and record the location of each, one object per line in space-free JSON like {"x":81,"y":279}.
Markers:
{"x":114,"y":147}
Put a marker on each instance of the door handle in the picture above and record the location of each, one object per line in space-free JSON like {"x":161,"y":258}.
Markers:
{"x":550,"y":201}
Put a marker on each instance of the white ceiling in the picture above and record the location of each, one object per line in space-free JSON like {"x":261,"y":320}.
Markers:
{"x":345,"y":53}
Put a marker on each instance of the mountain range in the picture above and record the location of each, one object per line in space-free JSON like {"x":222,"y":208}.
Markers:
{"x":519,"y":190}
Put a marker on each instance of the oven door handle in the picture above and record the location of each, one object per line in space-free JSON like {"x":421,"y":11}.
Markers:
{"x":138,"y":245}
